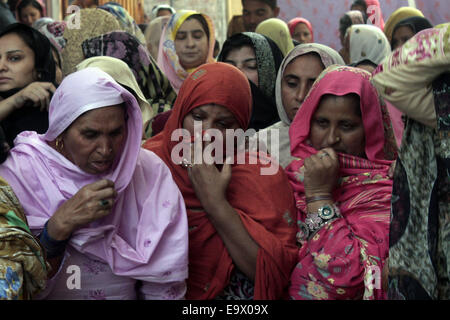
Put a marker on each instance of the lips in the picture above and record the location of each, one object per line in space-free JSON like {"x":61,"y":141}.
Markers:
{"x":4,"y":79}
{"x":191,"y":54}
{"x":101,"y":166}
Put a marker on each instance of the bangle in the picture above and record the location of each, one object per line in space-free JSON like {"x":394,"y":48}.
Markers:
{"x":319,"y":198}
{"x":316,"y":220}
{"x":53,"y":248}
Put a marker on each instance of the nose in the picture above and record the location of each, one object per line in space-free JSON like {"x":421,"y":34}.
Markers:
{"x":302,"y":92}
{"x":190,"y":43}
{"x":104,"y":147}
{"x":3,"y":64}
{"x":333,"y":137}
{"x":29,"y":21}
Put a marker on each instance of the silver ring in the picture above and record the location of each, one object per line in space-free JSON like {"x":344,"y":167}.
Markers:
{"x":186,"y":164}
{"x":324,"y":154}
{"x":104,"y":202}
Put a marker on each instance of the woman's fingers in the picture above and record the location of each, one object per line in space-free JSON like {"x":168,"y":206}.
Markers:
{"x":39,"y":93}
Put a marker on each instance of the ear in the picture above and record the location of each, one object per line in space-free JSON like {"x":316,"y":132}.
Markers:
{"x":276,"y":12}
{"x":36,"y":75}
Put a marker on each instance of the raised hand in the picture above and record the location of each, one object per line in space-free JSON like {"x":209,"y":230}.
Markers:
{"x":90,"y":203}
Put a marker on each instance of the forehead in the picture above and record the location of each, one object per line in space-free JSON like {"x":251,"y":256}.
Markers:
{"x":164,"y":12}
{"x":214,"y":110}
{"x":403,"y":30}
{"x":13,"y":41}
{"x":101,"y":118}
{"x":332,"y":106}
{"x":244,"y":52}
{"x":30,"y":9}
{"x":190,"y":25}
{"x":301,"y":27}
{"x":253,"y":5}
{"x":306,"y":65}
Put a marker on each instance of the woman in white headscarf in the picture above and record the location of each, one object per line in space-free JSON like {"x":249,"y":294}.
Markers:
{"x":367,"y":45}
{"x":306,"y":61}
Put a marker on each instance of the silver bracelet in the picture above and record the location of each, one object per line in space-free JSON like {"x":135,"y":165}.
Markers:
{"x":316,"y":220}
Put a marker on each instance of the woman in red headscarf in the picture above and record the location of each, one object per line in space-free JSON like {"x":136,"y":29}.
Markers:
{"x":301,"y":30}
{"x":241,"y":227}
{"x":343,"y":139}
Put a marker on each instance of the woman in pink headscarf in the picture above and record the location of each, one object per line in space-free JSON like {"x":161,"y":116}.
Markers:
{"x":97,"y":200}
{"x":301,"y":30}
{"x":344,"y":144}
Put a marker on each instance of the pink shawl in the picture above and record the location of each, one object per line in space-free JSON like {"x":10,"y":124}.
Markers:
{"x":337,"y":262}
{"x":146,"y":235}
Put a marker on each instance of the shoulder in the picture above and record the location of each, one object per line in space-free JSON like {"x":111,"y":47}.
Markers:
{"x":151,"y":165}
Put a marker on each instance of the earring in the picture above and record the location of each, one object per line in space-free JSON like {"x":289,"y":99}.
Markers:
{"x":338,"y":139}
{"x":59,"y":144}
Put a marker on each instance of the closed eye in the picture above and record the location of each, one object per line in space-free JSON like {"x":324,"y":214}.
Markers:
{"x":90,"y":134}
{"x":197,"y":117}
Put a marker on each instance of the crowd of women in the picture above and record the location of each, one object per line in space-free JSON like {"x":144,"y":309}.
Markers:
{"x":101,"y":126}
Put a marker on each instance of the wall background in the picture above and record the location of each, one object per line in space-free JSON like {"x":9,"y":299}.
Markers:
{"x":215,"y":9}
{"x":325,"y":14}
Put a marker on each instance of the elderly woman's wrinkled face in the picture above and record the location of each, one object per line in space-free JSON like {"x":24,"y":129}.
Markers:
{"x":337,"y":124}
{"x":16,"y":63}
{"x":211,"y":116}
{"x":191,"y":44}
{"x":94,"y":141}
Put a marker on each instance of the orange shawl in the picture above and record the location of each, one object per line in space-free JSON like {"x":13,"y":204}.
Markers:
{"x":264,"y":203}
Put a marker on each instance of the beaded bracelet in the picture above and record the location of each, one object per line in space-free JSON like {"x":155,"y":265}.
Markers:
{"x":53,"y":248}
{"x":316,"y":220}
{"x":319,"y":198}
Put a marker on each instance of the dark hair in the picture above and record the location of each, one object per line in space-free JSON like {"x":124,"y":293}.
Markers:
{"x":363,"y":4}
{"x":44,"y":64}
{"x":236,"y":41}
{"x":416,"y":24}
{"x":3,"y":146}
{"x":271,"y":3}
{"x":202,"y":21}
{"x":365,"y":62}
{"x":344,"y":23}
{"x":33,"y":3}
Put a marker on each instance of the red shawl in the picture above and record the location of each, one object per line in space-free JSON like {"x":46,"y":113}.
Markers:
{"x":265,"y":204}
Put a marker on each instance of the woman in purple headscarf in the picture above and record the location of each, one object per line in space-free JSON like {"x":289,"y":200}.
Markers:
{"x":103,"y":208}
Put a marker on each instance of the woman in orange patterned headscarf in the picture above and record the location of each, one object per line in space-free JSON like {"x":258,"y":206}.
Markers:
{"x":242,"y":236}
